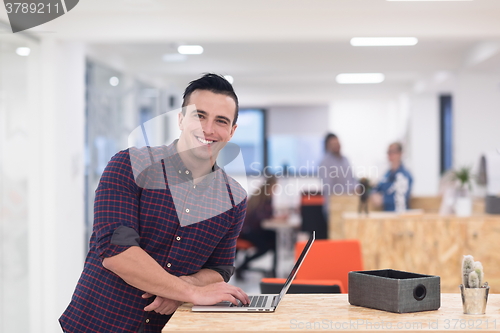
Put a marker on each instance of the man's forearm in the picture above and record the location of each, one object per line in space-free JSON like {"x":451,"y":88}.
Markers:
{"x":136,"y":267}
{"x":203,"y":277}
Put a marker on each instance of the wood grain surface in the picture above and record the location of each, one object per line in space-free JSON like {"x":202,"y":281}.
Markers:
{"x":328,"y":312}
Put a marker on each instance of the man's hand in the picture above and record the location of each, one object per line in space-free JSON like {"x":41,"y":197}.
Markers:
{"x":161,"y":305}
{"x":377,"y":199}
{"x":219,"y":292}
{"x":164,"y":305}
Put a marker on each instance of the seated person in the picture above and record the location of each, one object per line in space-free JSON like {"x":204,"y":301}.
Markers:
{"x":393,"y":192}
{"x":259,"y":208}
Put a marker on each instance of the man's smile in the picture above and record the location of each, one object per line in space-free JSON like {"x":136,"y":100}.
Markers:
{"x":204,"y":141}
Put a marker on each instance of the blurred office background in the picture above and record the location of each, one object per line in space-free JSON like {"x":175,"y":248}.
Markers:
{"x":74,"y":89}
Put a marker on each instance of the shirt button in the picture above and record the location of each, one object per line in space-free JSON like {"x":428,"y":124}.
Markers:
{"x":180,"y":171}
{"x":187,"y":210}
{"x":147,"y":320}
{"x":169,"y":265}
{"x":187,"y":172}
{"x":178,"y":238}
{"x":194,"y":186}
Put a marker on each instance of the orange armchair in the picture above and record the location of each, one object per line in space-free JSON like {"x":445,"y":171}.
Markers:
{"x":327,"y":263}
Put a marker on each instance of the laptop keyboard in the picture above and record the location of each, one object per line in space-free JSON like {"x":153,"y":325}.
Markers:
{"x":255,"y":302}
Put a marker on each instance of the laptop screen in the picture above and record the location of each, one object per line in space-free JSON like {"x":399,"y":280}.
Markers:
{"x":296,"y":267}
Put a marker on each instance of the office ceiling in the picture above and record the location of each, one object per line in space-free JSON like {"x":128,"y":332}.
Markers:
{"x":279,"y":50}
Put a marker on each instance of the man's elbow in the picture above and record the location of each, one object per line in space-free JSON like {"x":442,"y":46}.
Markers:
{"x":119,"y":263}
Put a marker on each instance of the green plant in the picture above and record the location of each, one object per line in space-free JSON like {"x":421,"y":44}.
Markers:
{"x":464,"y":176}
{"x":472,"y":273}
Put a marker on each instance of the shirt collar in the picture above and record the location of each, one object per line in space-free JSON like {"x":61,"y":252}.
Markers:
{"x":174,"y":160}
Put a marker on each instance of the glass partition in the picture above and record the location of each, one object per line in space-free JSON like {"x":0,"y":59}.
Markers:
{"x":115,"y":105}
{"x":18,"y":99}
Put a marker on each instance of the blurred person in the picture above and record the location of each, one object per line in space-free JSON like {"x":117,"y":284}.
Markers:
{"x":166,"y":220}
{"x":335,"y":172}
{"x":393,"y":191}
{"x":259,"y":208}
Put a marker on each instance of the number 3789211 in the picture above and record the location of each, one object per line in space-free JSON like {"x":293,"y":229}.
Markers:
{"x":38,"y":8}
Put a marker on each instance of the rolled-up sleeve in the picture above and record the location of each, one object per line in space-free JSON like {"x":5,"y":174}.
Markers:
{"x":116,"y":223}
{"x":222,"y":258}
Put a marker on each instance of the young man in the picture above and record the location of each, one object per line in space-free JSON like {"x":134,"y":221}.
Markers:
{"x":335,"y":171}
{"x":395,"y":188}
{"x":166,"y":221}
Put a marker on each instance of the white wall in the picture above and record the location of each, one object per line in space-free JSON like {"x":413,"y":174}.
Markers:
{"x":476,"y":117}
{"x":366,"y":126}
{"x":297,"y":119}
{"x":423,"y":147}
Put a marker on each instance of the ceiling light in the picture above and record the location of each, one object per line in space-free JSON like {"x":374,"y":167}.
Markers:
{"x":354,"y":78}
{"x":441,"y":76}
{"x":23,"y":51}
{"x":383,"y":41}
{"x":430,"y":0}
{"x":114,"y":81}
{"x":229,"y":78}
{"x":190,"y":49}
{"x":174,"y":57}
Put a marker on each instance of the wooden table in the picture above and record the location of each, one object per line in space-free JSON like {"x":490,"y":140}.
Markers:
{"x":428,"y":244}
{"x":300,"y":312}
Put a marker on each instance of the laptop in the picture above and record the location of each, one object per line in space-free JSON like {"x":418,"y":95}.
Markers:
{"x":263,"y":302}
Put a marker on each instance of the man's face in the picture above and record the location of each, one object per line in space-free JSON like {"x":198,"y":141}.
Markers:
{"x":206,"y":125}
{"x":394,"y":154}
{"x":333,"y":145}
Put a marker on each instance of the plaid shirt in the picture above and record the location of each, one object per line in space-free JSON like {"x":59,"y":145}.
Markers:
{"x":184,"y":227}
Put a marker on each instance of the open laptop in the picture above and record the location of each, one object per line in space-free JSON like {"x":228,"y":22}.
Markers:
{"x":263,"y":302}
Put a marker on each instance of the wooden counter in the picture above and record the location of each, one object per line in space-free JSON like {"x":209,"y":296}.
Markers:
{"x":341,"y":204}
{"x":428,"y":244}
{"x":323,"y":312}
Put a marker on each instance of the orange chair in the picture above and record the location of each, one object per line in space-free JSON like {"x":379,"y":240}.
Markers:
{"x":243,"y":244}
{"x":329,"y":261}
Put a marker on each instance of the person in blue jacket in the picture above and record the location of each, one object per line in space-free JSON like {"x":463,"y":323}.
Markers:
{"x":395,"y":187}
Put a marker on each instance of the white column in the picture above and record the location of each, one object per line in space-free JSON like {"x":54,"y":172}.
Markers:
{"x":56,"y":235}
{"x":424,"y":144}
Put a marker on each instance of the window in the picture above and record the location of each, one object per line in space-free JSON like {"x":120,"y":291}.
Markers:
{"x":250,"y":137}
{"x":446,"y":135}
{"x":295,"y":155}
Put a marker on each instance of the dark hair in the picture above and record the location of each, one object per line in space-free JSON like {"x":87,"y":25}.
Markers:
{"x":328,"y":137}
{"x":214,"y":83}
{"x":398,"y":146}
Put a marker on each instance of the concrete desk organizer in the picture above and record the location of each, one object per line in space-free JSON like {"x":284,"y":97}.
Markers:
{"x":394,"y":291}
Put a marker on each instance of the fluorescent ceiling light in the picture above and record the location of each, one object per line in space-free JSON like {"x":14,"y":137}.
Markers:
{"x":229,"y":78}
{"x":114,"y":81}
{"x":357,"y":78}
{"x":190,"y":49}
{"x":23,"y":51}
{"x":383,"y":41}
{"x":430,"y":0}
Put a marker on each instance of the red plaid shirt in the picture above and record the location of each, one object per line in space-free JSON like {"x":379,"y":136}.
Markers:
{"x":184,"y":227}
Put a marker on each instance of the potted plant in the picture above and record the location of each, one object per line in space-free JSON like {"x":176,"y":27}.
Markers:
{"x":463,"y":199}
{"x":474,"y":291}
